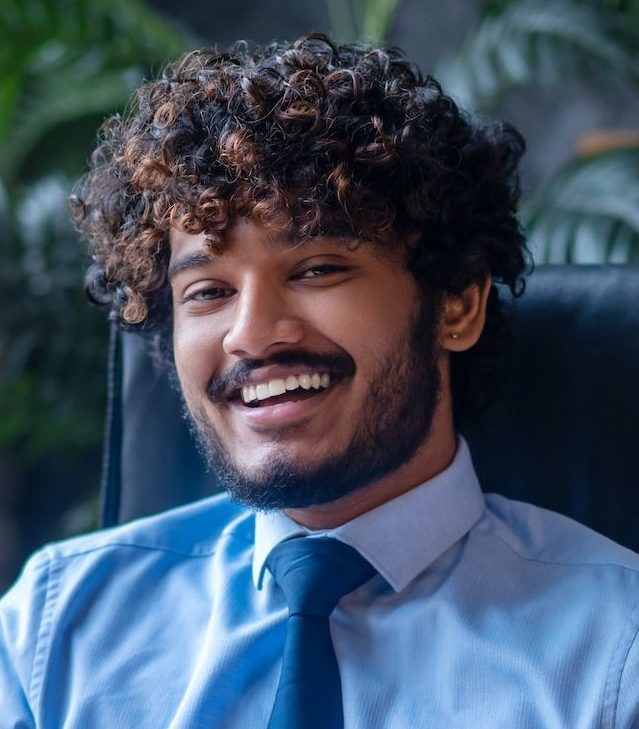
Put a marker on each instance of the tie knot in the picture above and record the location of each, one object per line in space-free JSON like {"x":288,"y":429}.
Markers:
{"x":315,"y":573}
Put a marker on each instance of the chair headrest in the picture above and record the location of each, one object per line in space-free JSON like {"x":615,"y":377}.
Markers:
{"x":568,"y":437}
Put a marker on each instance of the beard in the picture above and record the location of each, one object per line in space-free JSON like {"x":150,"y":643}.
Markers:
{"x":395,"y":419}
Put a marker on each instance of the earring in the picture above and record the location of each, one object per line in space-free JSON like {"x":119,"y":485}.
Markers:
{"x":454,"y":335}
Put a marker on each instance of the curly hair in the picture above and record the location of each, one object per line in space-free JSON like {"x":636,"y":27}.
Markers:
{"x":323,"y":139}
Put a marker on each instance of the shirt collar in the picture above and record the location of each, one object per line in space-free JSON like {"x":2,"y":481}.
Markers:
{"x":401,"y":537}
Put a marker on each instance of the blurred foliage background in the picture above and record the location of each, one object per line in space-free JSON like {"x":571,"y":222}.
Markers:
{"x":66,"y":64}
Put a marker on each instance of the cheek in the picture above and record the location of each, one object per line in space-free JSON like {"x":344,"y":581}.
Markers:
{"x":195,"y":351}
{"x":376,"y":329}
{"x":367,"y":313}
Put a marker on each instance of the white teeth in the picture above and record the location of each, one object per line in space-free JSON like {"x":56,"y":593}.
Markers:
{"x":279,"y":386}
{"x":276,"y":387}
{"x":248,"y":393}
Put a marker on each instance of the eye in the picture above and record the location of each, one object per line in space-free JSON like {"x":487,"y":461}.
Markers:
{"x":319,"y":270}
{"x":211,"y":293}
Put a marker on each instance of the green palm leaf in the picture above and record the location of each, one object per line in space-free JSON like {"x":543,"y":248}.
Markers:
{"x":363,"y":20}
{"x":533,"y":40}
{"x":588,"y":213}
{"x":63,"y":60}
{"x":50,"y":102}
{"x":377,"y":16}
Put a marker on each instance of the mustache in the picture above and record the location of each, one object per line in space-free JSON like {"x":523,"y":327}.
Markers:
{"x":337,"y":364}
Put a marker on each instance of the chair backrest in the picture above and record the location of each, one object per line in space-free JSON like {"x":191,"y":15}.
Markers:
{"x":567,"y":437}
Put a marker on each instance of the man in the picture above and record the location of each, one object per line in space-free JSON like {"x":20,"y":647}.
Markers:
{"x":312,"y":232}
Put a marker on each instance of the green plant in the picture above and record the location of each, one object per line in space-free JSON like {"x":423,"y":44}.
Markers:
{"x":62,"y":61}
{"x":64,"y":66}
{"x":361,"y":19}
{"x":544,"y":41}
{"x":587,"y":212}
{"x":53,"y":344}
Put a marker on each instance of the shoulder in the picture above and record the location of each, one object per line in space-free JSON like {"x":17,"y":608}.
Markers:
{"x":544,"y":536}
{"x":563,"y":585}
{"x":87,"y":583}
{"x":148,"y":545}
{"x":191,"y":530}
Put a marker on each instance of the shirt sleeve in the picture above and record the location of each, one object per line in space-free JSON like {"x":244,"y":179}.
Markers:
{"x":627,"y":714}
{"x":22,"y":626}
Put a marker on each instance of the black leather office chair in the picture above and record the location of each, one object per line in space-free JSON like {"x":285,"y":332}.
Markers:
{"x":567,"y":439}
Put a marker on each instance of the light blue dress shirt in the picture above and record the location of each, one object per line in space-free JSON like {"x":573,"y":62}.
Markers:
{"x":486,"y":614}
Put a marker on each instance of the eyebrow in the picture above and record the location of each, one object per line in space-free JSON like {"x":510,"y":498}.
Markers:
{"x":197,"y":259}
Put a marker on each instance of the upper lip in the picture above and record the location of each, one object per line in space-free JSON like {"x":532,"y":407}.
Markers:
{"x":273,"y":372}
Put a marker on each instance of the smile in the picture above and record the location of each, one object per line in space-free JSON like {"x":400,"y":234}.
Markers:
{"x":280,"y":385}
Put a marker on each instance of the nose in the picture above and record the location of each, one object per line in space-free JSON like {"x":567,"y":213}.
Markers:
{"x":263,"y":320}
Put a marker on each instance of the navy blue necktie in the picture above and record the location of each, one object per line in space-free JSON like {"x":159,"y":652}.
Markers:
{"x":314,"y":573}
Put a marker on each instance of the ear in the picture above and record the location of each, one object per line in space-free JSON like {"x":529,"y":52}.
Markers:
{"x":463,"y":316}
